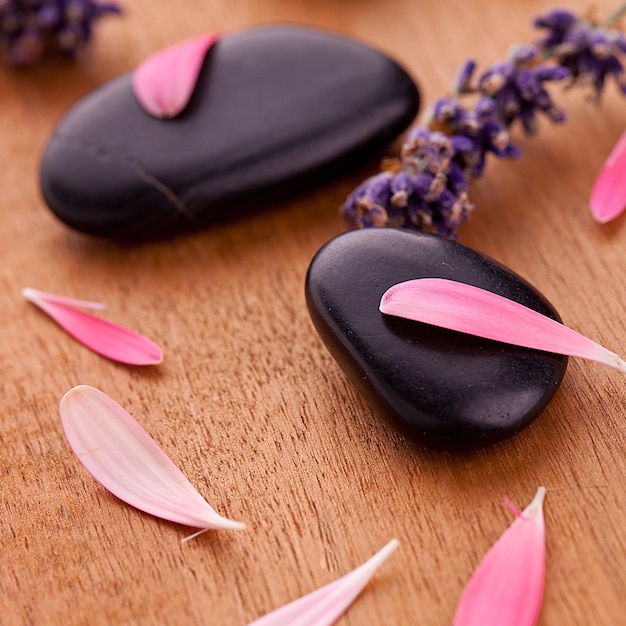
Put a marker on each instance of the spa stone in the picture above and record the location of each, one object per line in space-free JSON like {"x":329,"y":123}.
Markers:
{"x":441,"y":388}
{"x":276,"y":111}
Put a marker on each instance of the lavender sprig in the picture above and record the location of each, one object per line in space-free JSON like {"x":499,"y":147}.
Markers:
{"x":426,"y":188}
{"x":28,"y":28}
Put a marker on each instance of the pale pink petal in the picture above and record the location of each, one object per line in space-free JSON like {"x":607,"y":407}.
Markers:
{"x":608,"y":195}
{"x":110,"y":340}
{"x":506,"y":588}
{"x":123,"y":457}
{"x":325,"y":606}
{"x":33,"y":295}
{"x":164,"y":82}
{"x":467,"y":309}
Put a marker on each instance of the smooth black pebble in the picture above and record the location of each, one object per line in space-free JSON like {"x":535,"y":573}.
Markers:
{"x":442,"y":388}
{"x":276,"y":111}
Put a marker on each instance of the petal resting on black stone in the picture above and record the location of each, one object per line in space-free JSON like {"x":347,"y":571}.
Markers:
{"x":439,"y":387}
{"x":276,"y":111}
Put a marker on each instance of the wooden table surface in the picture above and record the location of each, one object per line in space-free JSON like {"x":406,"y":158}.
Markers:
{"x":250,"y":404}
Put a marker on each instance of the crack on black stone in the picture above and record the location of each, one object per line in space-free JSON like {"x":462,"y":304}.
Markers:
{"x":101,"y":154}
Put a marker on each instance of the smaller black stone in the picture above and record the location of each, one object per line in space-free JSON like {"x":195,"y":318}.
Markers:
{"x":441,"y":388}
{"x":276,"y":111}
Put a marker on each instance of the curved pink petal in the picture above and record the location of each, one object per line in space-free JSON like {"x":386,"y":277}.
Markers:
{"x":124,"y":459}
{"x":467,"y":309}
{"x":326,"y":605}
{"x":608,"y":195}
{"x":506,"y":588}
{"x":110,"y":340}
{"x":164,"y":82}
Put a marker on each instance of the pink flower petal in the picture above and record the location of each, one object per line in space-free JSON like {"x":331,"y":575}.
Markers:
{"x":467,"y":309}
{"x":124,"y":459}
{"x":164,"y":82}
{"x":506,"y":588}
{"x":110,"y":340}
{"x":608,"y":195}
{"x":326,"y":605}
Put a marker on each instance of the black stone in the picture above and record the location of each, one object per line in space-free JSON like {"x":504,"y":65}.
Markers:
{"x":442,"y":388}
{"x":276,"y":111}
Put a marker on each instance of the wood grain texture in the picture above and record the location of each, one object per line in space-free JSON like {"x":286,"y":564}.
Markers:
{"x":252,"y":407}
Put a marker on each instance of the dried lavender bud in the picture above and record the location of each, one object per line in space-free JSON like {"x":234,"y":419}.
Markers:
{"x":428,"y":193}
{"x":557,"y":22}
{"x":517,"y":87}
{"x":30,"y":28}
{"x":462,"y":82}
{"x":591,"y":52}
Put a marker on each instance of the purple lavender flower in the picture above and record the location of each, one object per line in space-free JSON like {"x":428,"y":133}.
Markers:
{"x":473,"y":133}
{"x":30,"y":27}
{"x":427,"y":191}
{"x":589,"y":51}
{"x":427,"y":187}
{"x":517,"y":88}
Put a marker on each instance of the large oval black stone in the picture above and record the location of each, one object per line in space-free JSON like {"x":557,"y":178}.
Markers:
{"x":442,"y":388}
{"x":276,"y":111}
